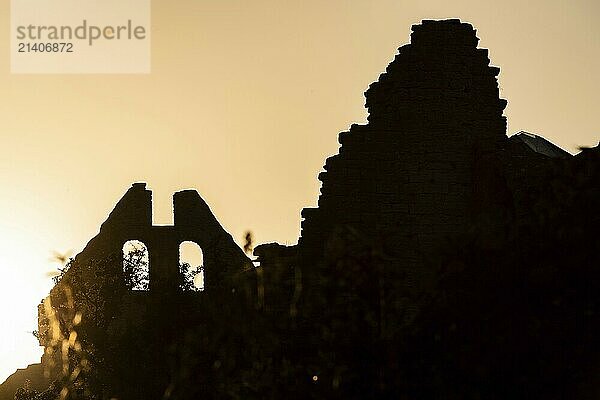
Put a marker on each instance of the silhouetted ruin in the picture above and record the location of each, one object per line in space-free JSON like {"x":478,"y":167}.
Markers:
{"x":444,"y":260}
{"x":131,"y":219}
{"x":434,"y":161}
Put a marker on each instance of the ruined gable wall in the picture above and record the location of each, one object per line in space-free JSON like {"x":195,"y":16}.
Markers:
{"x":131,"y":219}
{"x":407,"y":177}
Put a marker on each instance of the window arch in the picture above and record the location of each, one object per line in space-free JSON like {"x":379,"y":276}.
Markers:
{"x":191,"y":265}
{"x":136,"y":265}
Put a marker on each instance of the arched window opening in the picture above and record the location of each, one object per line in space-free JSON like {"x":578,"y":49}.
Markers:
{"x":136,"y":265}
{"x":191,"y":265}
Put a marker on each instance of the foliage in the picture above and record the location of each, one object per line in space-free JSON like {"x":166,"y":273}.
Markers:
{"x":190,"y":277}
{"x":136,"y":269}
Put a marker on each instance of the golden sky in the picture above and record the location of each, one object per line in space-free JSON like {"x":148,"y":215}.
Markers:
{"x":244,"y":103}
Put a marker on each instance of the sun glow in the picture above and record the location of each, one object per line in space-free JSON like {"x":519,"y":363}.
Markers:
{"x":22,"y":286}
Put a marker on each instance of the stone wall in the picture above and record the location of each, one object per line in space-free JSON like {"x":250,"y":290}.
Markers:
{"x":433,"y":163}
{"x":131,"y":219}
